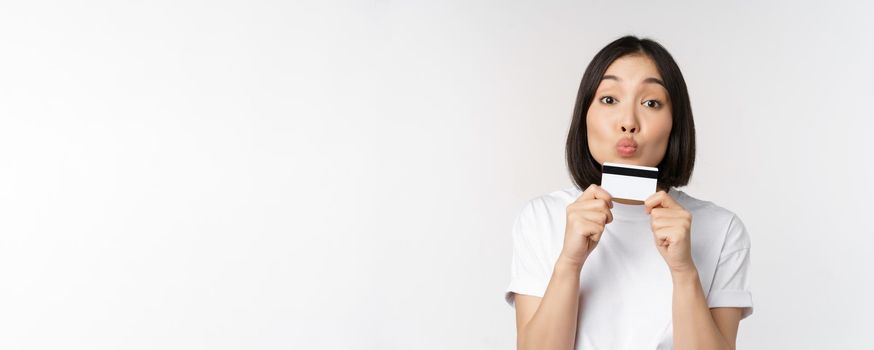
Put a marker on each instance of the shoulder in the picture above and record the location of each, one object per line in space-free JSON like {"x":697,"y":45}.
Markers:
{"x":546,"y":212}
{"x":707,"y":209}
{"x":538,"y":237}
{"x":551,"y":203}
{"x":708,"y":217}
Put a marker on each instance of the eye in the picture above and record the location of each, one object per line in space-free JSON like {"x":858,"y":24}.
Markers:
{"x":652,"y":103}
{"x":608,"y":100}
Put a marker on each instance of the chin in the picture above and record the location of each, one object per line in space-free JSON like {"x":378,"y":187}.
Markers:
{"x":633,"y":160}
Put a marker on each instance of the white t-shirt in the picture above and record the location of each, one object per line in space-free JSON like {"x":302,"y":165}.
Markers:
{"x":625,"y":284}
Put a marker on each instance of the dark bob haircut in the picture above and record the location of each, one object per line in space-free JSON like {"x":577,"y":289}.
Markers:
{"x":675,"y":168}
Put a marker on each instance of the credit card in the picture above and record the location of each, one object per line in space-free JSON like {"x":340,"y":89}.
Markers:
{"x":629,"y":183}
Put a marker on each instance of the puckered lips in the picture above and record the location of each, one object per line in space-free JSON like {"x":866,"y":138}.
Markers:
{"x":626,"y":147}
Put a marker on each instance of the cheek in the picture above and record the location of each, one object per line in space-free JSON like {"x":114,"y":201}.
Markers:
{"x":662,"y":130}
{"x":660,"y":134}
{"x":666,"y":127}
{"x":598,"y":130}
{"x":597,"y":124}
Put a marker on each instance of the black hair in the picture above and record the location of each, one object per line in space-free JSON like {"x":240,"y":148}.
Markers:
{"x":675,"y":169}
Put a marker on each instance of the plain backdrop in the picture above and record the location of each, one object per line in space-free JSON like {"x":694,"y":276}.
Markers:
{"x":325,"y":175}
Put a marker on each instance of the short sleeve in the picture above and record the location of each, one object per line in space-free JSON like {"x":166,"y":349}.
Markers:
{"x":731,"y":281}
{"x":530,"y":268}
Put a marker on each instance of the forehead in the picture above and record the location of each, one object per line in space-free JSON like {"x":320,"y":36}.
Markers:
{"x":633,"y":68}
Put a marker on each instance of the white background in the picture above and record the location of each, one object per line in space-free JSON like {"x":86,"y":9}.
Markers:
{"x":266,"y":175}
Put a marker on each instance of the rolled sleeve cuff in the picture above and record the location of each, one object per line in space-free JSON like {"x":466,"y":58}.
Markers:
{"x":732,"y":298}
{"x":523,"y":286}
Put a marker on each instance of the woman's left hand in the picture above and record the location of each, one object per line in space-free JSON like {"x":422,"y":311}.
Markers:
{"x":671,"y":227}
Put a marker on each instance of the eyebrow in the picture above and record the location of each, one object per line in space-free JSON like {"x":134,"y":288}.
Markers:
{"x":650,"y":80}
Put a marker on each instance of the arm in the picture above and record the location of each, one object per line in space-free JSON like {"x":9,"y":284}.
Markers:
{"x":695,"y":325}
{"x":550,"y":322}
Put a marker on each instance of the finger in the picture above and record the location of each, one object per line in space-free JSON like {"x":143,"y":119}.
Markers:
{"x":594,"y":191}
{"x":596,"y":205}
{"x":597,"y":217}
{"x":653,"y":201}
{"x":596,"y":237}
{"x":669,"y":223}
{"x":658,"y":213}
{"x":662,"y":242}
{"x":599,"y":205}
{"x":595,"y":230}
{"x":661,"y":236}
{"x":661,"y":199}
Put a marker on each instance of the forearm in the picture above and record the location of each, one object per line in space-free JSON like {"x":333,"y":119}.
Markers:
{"x":694,"y":327}
{"x":554,"y":324}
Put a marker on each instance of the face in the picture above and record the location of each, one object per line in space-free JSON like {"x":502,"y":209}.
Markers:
{"x":629,"y":120}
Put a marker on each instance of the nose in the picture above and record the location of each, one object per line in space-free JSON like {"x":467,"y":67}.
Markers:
{"x":629,"y":125}
{"x":630,"y":129}
{"x":628,"y":122}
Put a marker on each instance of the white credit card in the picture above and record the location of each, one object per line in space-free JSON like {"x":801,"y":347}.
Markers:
{"x":629,"y":182}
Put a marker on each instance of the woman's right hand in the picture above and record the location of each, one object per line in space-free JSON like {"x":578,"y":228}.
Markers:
{"x":586,"y":218}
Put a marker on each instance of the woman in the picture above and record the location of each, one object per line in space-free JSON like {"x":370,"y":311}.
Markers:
{"x":591,"y":273}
